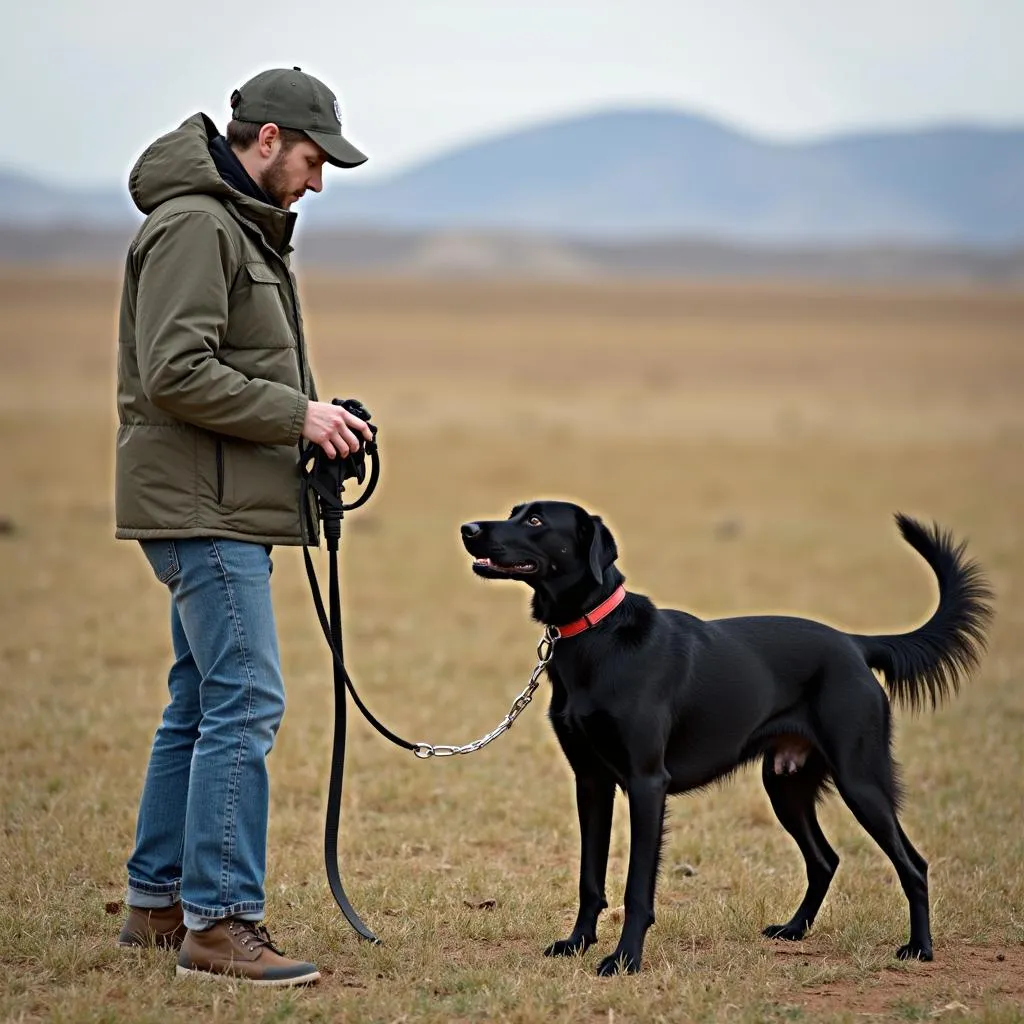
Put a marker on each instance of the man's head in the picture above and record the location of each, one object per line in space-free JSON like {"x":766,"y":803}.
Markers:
{"x":285,"y":125}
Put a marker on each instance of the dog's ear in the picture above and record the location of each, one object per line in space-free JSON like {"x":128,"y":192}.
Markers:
{"x":602,"y":548}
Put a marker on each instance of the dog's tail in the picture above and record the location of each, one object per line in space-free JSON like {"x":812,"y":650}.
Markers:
{"x":927,"y":664}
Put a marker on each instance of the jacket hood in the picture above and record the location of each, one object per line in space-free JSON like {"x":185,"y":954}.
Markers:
{"x":179,"y":164}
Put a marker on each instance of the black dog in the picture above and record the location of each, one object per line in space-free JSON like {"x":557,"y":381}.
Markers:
{"x":657,"y":702}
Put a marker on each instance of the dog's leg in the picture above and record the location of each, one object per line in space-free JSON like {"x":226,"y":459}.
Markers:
{"x":793,"y":798}
{"x":646,"y":796}
{"x":923,"y":951}
{"x":853,"y":714}
{"x":872,"y":807}
{"x":595,"y":797}
{"x":919,"y":862}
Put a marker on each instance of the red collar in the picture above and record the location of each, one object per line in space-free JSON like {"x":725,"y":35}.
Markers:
{"x":593,"y":617}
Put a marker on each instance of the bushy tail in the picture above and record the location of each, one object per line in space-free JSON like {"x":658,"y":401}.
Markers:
{"x":926,"y":665}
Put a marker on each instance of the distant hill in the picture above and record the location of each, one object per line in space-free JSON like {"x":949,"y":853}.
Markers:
{"x":664,"y":173}
{"x":660,"y":174}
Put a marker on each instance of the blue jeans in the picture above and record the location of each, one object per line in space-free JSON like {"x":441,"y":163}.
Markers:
{"x":201,"y":835}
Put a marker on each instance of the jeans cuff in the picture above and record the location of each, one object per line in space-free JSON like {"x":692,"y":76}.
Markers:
{"x":150,"y":897}
{"x":198,"y":923}
{"x":248,"y":910}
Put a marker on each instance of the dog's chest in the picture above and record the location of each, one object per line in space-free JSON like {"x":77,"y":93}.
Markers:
{"x":589,"y":726}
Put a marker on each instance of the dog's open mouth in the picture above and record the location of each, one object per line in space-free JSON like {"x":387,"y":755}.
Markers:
{"x":518,"y":567}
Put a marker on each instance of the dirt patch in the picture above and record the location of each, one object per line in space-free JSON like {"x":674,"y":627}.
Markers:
{"x":962,"y":979}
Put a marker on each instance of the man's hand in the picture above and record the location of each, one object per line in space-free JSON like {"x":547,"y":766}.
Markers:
{"x":331,"y":427}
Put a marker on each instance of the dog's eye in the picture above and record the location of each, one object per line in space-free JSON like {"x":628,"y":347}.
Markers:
{"x":534,"y":521}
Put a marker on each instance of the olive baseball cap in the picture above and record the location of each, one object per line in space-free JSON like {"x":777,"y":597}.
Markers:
{"x":294,"y":99}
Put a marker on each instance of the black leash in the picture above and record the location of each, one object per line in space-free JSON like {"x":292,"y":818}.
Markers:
{"x":325,"y":478}
{"x":332,"y":511}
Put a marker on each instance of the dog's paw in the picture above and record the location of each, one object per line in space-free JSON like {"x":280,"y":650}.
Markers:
{"x":914,"y":951}
{"x":619,"y":962}
{"x":794,"y":933}
{"x":575,"y":945}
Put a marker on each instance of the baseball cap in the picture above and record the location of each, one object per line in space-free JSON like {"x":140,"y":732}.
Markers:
{"x":294,"y":99}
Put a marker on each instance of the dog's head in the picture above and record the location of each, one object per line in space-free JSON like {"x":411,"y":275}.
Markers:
{"x":549,"y":544}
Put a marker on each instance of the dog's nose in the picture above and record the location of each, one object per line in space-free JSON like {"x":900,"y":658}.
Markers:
{"x":471,"y":530}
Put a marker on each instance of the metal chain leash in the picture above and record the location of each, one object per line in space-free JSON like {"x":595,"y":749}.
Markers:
{"x":545,"y":649}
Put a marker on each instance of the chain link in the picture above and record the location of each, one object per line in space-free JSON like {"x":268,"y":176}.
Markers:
{"x":545,"y":649}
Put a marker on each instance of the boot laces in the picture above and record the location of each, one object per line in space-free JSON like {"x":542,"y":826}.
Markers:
{"x":252,"y":935}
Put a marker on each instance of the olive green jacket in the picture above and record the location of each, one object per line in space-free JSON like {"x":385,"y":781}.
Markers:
{"x":213,"y":380}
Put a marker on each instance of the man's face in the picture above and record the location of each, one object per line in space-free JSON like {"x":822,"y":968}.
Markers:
{"x":293,"y":170}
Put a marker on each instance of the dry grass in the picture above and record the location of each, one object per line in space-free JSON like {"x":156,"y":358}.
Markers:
{"x":748,"y":448}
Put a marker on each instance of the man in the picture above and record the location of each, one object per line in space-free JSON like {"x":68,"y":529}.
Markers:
{"x":214,"y":394}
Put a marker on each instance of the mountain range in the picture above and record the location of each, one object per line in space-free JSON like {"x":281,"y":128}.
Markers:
{"x":657,"y":174}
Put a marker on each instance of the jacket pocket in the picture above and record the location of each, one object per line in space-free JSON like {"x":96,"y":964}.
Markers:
{"x":258,"y":318}
{"x":219,"y":456}
{"x":261,"y":273}
{"x":268,"y":300}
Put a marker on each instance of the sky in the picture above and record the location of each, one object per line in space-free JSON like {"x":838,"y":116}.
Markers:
{"x":88,"y":85}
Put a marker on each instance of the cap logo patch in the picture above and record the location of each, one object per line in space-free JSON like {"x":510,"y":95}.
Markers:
{"x":337,"y":111}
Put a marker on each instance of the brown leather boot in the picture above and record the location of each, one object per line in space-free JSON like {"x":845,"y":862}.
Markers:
{"x":239,"y":950}
{"x":163,"y":927}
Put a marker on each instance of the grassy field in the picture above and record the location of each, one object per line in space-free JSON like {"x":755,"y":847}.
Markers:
{"x":746,"y":446}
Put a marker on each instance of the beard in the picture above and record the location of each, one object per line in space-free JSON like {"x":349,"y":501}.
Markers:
{"x":274,"y":180}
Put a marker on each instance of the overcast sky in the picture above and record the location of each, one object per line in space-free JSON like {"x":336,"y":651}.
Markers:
{"x":88,"y":84}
